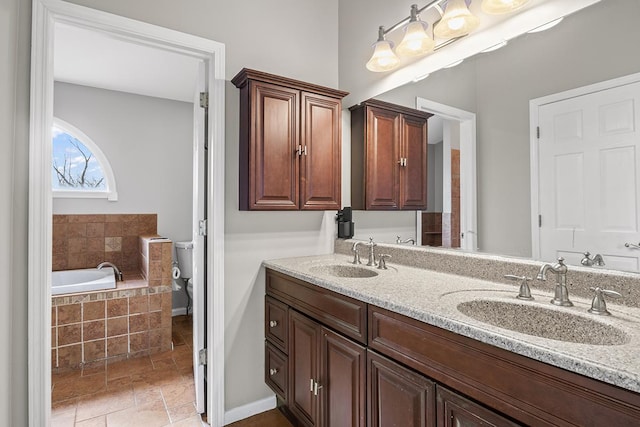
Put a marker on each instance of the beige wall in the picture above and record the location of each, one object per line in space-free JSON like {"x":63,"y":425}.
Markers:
{"x":287,"y":37}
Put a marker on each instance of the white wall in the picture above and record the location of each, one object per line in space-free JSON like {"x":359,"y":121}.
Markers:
{"x":149,"y":145}
{"x":286,"y":37}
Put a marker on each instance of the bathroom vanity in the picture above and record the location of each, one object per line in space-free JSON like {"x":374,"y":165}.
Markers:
{"x":354,"y":345}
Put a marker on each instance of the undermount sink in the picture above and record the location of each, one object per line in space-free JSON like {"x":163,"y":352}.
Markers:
{"x":347,"y":271}
{"x":542,"y":322}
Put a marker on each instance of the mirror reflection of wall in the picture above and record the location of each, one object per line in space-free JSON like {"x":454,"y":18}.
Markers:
{"x":498,"y":86}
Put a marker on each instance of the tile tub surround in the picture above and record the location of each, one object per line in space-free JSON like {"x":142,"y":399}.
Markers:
{"x":133,"y":320}
{"x":432,"y":297}
{"x":84,"y":241}
{"x":494,"y":267}
{"x":155,"y":259}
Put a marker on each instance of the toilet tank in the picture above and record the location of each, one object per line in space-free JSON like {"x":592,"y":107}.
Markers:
{"x":184,"y":256}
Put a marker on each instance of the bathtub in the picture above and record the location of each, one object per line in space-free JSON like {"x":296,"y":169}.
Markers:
{"x":90,"y":279}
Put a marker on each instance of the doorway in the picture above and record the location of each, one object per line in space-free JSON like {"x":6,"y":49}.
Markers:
{"x":463,"y":125}
{"x":46,"y":15}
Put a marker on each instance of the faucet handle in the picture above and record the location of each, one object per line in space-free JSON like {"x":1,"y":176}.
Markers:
{"x":524,"y":292}
{"x":382,"y":263}
{"x":598,"y":305}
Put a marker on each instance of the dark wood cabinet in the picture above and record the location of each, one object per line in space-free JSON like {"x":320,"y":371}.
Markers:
{"x":397,"y":396}
{"x":290,"y":143}
{"x":388,"y":157}
{"x":455,"y":410}
{"x":326,"y":375}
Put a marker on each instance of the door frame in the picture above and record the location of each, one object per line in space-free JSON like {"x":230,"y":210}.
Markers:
{"x":45,"y":14}
{"x":534,"y":142}
{"x":468,"y":178}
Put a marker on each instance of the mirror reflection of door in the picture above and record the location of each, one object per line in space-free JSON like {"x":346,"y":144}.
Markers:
{"x":441,"y":220}
{"x":589,"y":177}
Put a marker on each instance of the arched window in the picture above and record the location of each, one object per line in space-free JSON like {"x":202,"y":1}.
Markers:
{"x":80,"y":169}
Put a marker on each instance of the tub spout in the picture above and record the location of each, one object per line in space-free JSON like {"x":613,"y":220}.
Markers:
{"x":116,"y":270}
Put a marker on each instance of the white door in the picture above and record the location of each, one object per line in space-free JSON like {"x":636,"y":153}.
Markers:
{"x":200,"y":168}
{"x":589,"y":177}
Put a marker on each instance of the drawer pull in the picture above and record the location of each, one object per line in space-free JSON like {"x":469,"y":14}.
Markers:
{"x":273,"y":371}
{"x":273,"y":323}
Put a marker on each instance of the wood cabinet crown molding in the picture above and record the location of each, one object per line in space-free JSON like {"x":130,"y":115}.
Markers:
{"x":242,"y":79}
{"x":389,"y":106}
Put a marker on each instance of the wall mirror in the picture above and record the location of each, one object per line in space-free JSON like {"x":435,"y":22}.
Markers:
{"x":498,"y":86}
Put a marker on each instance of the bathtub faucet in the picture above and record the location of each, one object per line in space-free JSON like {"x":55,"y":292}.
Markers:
{"x":116,"y":270}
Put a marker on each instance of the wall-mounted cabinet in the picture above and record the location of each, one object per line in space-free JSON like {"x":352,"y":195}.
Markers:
{"x":290,"y":143}
{"x":388,"y":157}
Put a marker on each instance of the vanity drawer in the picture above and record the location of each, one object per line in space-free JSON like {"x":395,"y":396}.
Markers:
{"x":275,"y":370}
{"x":339,"y":312}
{"x":276,"y":325}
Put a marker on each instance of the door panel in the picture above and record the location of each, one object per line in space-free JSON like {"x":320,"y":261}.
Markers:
{"x":275,"y":134}
{"x":303,"y":366}
{"x":413,"y":176}
{"x":200,"y":177}
{"x":589,"y":177}
{"x":383,"y":156}
{"x":321,"y":162}
{"x":343,"y":380}
{"x":397,"y":396}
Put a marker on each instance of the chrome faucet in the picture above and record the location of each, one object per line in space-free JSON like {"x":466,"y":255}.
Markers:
{"x":589,"y":260}
{"x":372,"y":258}
{"x":116,"y":270}
{"x":356,"y":254}
{"x":561,"y":293}
{"x":409,"y":240}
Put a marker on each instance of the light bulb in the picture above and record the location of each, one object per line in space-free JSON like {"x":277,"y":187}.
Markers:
{"x":383,"y":58}
{"x":496,"y":7}
{"x":416,"y":41}
{"x":456,"y":21}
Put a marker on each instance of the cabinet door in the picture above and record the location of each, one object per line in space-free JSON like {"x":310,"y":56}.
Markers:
{"x":457,"y":411}
{"x":273,"y":160}
{"x":382,"y":159}
{"x":321,"y":158}
{"x":398,"y":397}
{"x":413,"y":174}
{"x":303,"y":367}
{"x":342,"y":397}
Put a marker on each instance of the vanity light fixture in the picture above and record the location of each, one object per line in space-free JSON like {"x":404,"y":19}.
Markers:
{"x":453,"y":64}
{"x":416,"y":79}
{"x":546,"y":26}
{"x":496,"y":46}
{"x":416,"y":41}
{"x":457,"y":21}
{"x":383,"y":58}
{"x":497,"y":7}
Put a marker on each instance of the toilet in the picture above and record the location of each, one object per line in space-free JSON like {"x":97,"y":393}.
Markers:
{"x":184,"y":257}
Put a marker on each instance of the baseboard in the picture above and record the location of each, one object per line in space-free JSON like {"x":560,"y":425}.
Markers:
{"x":248,"y":410}
{"x":178,"y":311}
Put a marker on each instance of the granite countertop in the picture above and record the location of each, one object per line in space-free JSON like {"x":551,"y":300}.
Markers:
{"x":433,"y":297}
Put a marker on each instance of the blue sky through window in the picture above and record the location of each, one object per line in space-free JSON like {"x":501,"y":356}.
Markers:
{"x":74,"y":165}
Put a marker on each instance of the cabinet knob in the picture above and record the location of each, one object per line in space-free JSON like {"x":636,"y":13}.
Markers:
{"x":273,"y":371}
{"x":273,"y":323}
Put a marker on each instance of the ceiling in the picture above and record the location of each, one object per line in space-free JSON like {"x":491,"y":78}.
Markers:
{"x":91,"y":58}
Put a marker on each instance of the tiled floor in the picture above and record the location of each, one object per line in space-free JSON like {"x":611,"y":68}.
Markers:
{"x":156,"y":390}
